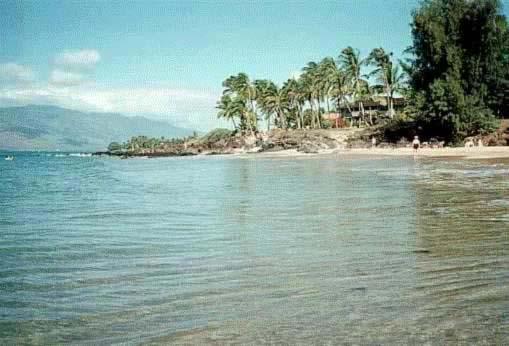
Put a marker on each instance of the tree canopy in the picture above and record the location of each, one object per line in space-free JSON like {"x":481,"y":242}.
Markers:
{"x":330,"y":85}
{"x":455,"y":80}
{"x":459,"y":66}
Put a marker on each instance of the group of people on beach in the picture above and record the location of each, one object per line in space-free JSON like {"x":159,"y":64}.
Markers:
{"x":416,"y":143}
{"x":470,"y":143}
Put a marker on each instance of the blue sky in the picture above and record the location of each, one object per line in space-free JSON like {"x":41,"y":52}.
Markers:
{"x":167,"y":59}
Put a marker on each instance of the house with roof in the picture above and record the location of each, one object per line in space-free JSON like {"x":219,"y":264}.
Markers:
{"x":375,"y":107}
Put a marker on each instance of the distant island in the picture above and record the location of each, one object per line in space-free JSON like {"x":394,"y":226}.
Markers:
{"x":454,"y":86}
{"x":38,"y":127}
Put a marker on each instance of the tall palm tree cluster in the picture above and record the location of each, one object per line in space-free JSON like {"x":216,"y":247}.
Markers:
{"x":329,"y":85}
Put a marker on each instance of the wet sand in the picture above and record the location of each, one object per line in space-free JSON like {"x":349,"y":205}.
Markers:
{"x":467,"y":153}
{"x":463,"y":153}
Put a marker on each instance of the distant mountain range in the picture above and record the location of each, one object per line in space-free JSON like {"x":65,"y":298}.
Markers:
{"x":55,"y":128}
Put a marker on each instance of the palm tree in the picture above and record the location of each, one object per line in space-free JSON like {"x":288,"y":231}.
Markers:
{"x":296,"y":100}
{"x":339,"y":88}
{"x":389,"y":78}
{"x":336,"y":86}
{"x":326,"y":84}
{"x":311,"y":88}
{"x":226,"y":110}
{"x":262,"y":88}
{"x":277,"y":103}
{"x":327,"y":69}
{"x":307,"y":91}
{"x":352,"y":64}
{"x":383,"y":66}
{"x":395,"y":84}
{"x":241,"y":86}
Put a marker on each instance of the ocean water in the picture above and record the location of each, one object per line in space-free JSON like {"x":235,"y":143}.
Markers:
{"x":224,"y":250}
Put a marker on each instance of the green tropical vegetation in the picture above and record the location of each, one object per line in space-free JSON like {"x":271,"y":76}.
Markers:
{"x":323,"y":87}
{"x":138,"y":143}
{"x":459,"y":67}
{"x":455,"y":80}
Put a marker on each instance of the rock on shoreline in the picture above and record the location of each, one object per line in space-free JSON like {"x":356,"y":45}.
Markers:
{"x":304,"y":141}
{"x":224,"y":142}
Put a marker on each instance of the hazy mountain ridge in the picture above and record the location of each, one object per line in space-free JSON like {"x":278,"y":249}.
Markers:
{"x":53,"y":128}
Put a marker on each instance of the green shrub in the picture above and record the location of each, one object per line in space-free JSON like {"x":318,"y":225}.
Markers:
{"x":326,"y":124}
{"x":115,"y":147}
{"x":397,"y":128}
{"x":216,"y":135}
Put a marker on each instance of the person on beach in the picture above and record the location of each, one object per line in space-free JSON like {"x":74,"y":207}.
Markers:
{"x":373,"y":142}
{"x":469,"y":143}
{"x":416,"y":143}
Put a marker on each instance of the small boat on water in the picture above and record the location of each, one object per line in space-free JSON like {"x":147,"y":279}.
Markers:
{"x":9,"y":158}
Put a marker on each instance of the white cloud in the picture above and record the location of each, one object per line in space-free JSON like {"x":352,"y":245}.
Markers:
{"x":15,"y":73}
{"x":78,"y":59}
{"x":70,"y":86}
{"x":74,"y":67}
{"x":181,"y":107}
{"x":65,"y":78}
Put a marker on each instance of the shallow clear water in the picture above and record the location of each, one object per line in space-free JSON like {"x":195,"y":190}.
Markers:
{"x":222,"y":250}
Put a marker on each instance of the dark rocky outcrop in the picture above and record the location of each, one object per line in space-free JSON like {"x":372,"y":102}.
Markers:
{"x":225,"y":142}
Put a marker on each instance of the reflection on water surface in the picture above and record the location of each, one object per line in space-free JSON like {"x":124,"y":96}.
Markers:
{"x":221,"y":250}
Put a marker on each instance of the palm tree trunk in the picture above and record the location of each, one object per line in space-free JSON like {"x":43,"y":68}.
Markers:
{"x":249,"y":125}
{"x":312,"y":113}
{"x":387,"y":95}
{"x":297,"y":115}
{"x":301,"y":114}
{"x":315,"y":116}
{"x":343,"y":97}
{"x":347,"y":105}
{"x":361,"y":107}
{"x":255,"y":120}
{"x":392,"y":107}
{"x":319,"y":116}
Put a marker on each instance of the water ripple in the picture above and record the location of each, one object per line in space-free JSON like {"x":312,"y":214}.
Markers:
{"x":253,"y":251}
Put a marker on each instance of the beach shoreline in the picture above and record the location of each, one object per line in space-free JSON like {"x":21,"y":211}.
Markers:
{"x":475,"y":153}
{"x":495,"y":152}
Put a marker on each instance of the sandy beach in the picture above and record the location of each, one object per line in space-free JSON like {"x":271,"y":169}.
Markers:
{"x":467,"y":153}
{"x":460,"y":153}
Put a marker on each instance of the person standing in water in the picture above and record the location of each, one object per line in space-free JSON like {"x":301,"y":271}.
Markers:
{"x":416,"y":143}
